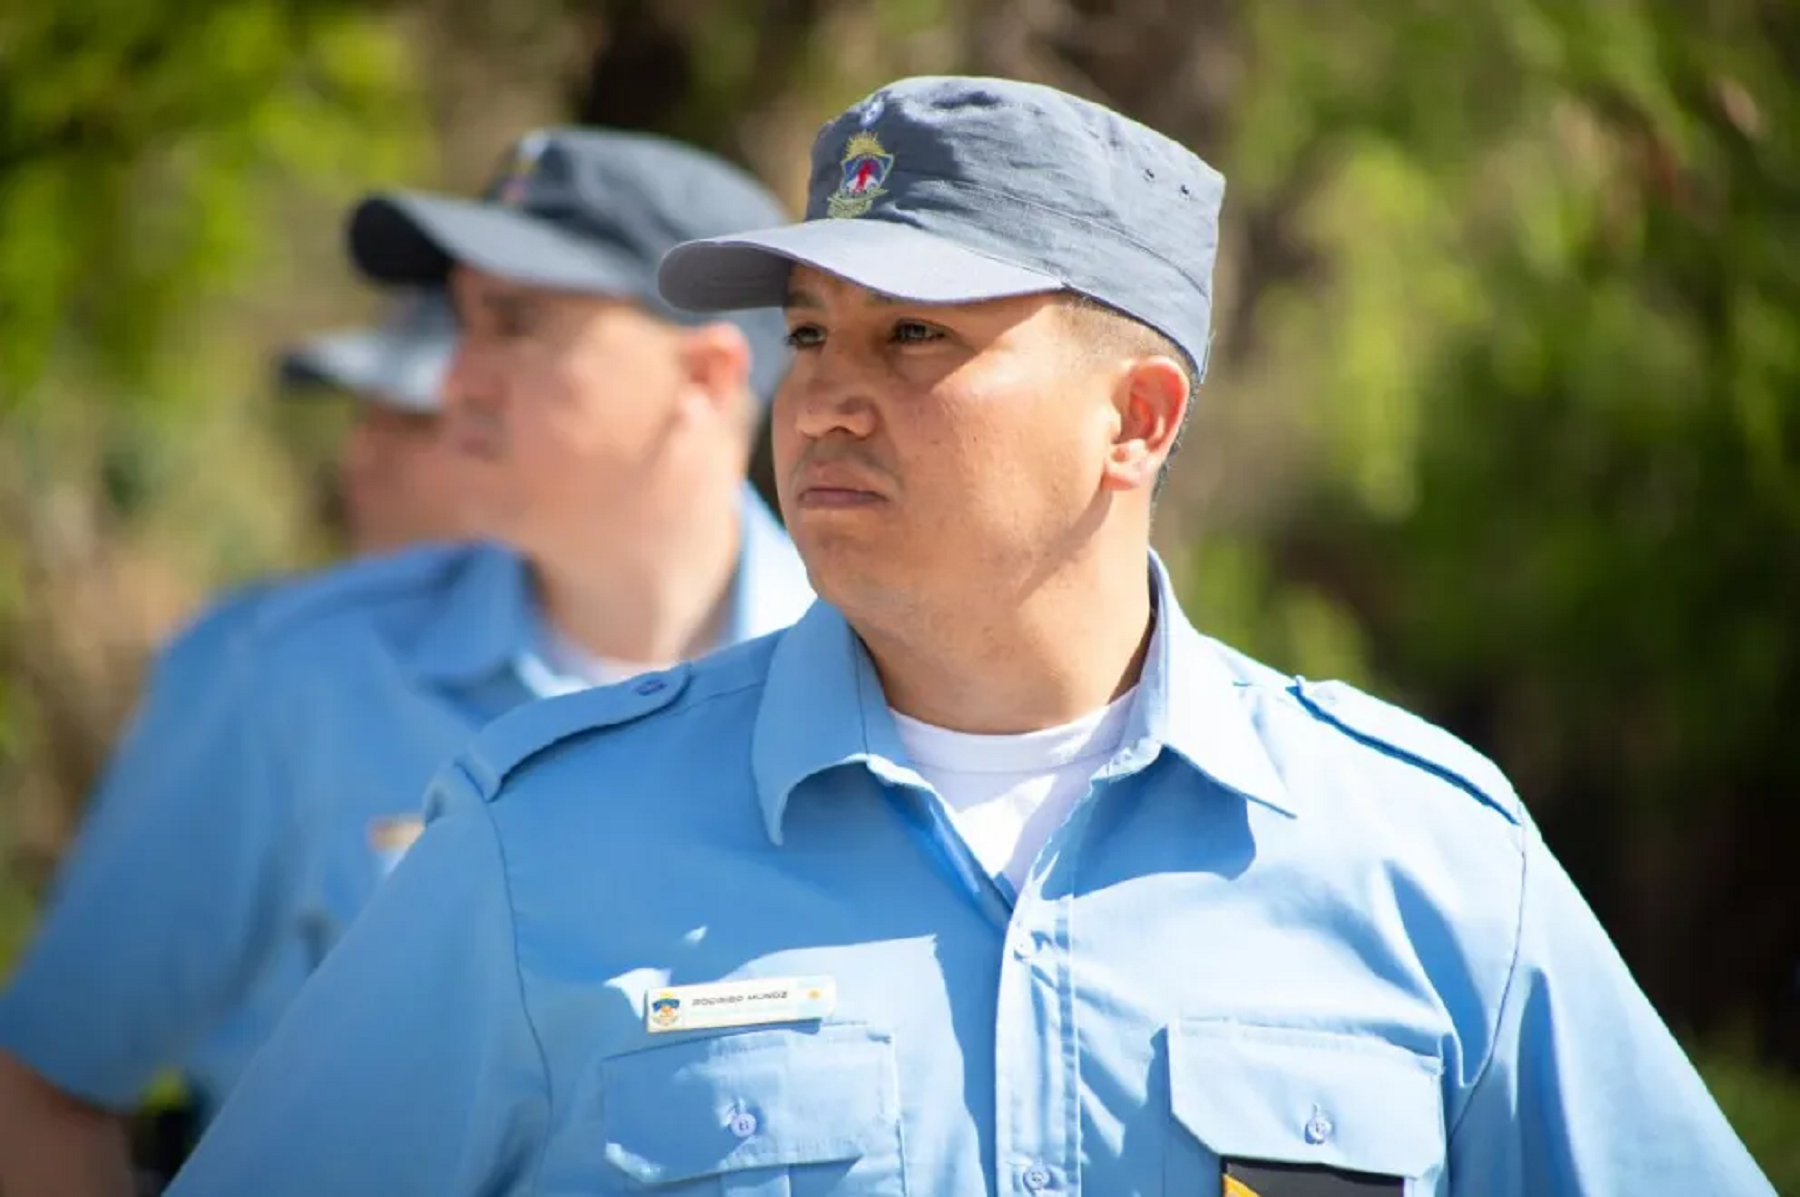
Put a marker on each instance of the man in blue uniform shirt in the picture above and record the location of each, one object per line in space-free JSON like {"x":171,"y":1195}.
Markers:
{"x":991,"y":875}
{"x":605,"y":440}
{"x":398,"y":485}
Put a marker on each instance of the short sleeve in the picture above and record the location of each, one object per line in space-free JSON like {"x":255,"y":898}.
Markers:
{"x":1587,"y":1092}
{"x":159,"y":916}
{"x":408,"y":1064}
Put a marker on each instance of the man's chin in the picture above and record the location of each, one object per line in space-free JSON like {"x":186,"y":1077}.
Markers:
{"x":854,"y":575}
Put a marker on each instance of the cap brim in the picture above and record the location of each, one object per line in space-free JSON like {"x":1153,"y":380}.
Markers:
{"x":750,"y":270}
{"x":370,"y":366}
{"x":416,"y":239}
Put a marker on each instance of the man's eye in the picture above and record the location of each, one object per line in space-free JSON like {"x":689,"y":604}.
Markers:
{"x":805,"y":336}
{"x":913,"y":332}
{"x":504,"y":316}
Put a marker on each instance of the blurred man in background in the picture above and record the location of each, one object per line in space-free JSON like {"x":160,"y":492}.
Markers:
{"x":397,"y":481}
{"x":603,"y":440}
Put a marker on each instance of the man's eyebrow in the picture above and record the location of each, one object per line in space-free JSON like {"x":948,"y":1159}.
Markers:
{"x":511,"y":305}
{"x":801,"y":297}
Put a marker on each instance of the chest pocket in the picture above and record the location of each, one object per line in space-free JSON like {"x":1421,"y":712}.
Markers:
{"x":783,"y":1112}
{"x":1277,"y":1112}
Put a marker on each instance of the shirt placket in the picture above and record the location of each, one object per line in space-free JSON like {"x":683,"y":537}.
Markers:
{"x":1033,"y":1053}
{"x":1035,"y":1065}
{"x":1037,"y":1046}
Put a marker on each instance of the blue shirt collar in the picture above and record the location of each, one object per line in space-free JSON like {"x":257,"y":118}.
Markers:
{"x":487,"y":614}
{"x":823,"y":708}
{"x":489,"y":617}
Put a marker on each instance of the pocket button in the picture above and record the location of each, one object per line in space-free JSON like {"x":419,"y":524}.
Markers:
{"x":742,"y":1124}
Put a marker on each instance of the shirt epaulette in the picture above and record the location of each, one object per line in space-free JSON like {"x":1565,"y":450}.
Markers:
{"x":521,"y":734}
{"x":1404,"y":736}
{"x":510,"y":743}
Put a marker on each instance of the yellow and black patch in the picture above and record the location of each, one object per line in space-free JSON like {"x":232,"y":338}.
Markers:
{"x":396,"y":834}
{"x":1252,"y":1178}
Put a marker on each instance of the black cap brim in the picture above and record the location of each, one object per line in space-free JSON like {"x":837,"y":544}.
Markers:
{"x":413,"y":239}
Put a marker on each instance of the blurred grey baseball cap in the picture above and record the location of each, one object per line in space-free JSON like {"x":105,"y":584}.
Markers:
{"x":591,"y":211}
{"x":955,"y":190}
{"x":399,"y":363}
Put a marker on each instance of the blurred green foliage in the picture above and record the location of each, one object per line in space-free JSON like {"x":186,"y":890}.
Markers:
{"x":1505,"y":422}
{"x":138,"y":141}
{"x":1764,"y":1108}
{"x":148,"y":155}
{"x":1557,"y":412}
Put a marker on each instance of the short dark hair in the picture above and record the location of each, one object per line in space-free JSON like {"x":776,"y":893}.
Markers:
{"x":1106,"y":328}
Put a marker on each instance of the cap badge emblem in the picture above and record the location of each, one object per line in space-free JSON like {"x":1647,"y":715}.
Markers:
{"x":515,"y":181}
{"x":865,"y":168}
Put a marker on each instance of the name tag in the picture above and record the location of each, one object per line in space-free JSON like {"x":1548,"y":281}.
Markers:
{"x":739,"y":1003}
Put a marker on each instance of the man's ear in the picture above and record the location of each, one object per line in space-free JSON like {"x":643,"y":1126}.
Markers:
{"x":715,"y":361}
{"x":1152,"y":398}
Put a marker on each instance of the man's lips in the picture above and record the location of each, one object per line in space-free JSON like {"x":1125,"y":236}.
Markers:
{"x":829,"y":497}
{"x":836,"y":486}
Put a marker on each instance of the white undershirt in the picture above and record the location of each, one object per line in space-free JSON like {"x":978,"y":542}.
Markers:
{"x":558,"y":665}
{"x":1006,"y":794}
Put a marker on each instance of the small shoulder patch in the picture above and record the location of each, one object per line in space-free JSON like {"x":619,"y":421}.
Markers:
{"x":1403,"y":735}
{"x":526,"y":731}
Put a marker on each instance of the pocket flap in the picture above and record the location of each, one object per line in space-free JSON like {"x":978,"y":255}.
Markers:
{"x":1307,"y":1097}
{"x":751,"y":1099}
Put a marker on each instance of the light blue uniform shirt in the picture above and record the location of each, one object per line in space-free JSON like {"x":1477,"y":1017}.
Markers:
{"x":1289,"y":924}
{"x":207,"y":887}
{"x":182,"y":697}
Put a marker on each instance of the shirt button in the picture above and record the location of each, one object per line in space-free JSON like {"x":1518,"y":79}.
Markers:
{"x":650,"y":685}
{"x":743,"y":1124}
{"x":1036,"y":1178}
{"x":1318,"y":1129}
{"x":1023,"y":947}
